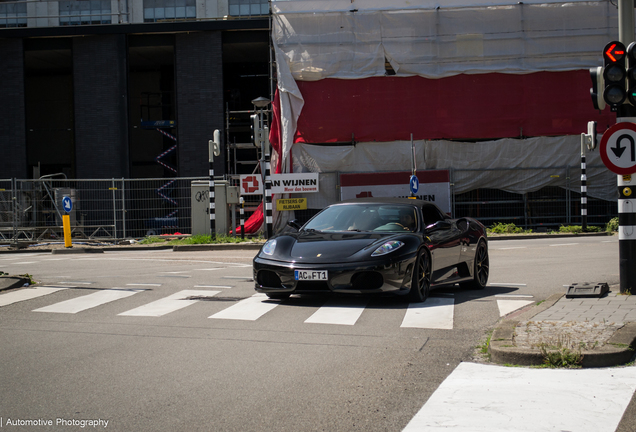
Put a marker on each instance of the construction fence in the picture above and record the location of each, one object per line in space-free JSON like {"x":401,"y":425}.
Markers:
{"x":109,"y":209}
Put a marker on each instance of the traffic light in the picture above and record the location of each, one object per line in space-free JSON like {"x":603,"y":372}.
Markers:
{"x":255,"y":127}
{"x":614,"y":74}
{"x":631,"y":73}
{"x":598,"y":85}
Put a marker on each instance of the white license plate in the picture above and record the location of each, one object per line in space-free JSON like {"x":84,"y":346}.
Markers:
{"x":310,"y":275}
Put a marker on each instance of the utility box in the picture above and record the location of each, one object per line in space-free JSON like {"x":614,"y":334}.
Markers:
{"x":200,"y":199}
{"x":200,"y":204}
{"x":233,"y":194}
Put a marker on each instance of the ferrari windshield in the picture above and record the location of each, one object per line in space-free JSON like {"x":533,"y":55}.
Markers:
{"x":364,"y":218}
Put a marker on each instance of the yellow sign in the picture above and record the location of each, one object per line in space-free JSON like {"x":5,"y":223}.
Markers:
{"x":291,"y":204}
{"x":627,"y":178}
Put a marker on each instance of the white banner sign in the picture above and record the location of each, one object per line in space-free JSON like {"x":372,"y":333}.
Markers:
{"x":434,"y":186}
{"x":295,"y":183}
{"x":281,"y":183}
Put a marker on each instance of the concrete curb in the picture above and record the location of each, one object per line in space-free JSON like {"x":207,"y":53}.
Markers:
{"x":618,"y":350}
{"x":11,"y":282}
{"x":540,"y":236}
{"x":72,"y":250}
{"x":217,"y":247}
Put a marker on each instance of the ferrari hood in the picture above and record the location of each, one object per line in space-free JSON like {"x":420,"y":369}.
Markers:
{"x":323,"y":247}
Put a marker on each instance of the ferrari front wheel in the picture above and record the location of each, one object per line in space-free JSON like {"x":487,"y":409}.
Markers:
{"x":421,"y":279}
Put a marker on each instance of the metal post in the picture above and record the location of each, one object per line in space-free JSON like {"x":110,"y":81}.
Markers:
{"x":626,"y":186}
{"x":211,"y":185}
{"x":123,"y":206}
{"x":583,"y":184}
{"x":242,"y":220}
{"x":14,"y":199}
{"x":113,"y":189}
{"x":268,"y":195}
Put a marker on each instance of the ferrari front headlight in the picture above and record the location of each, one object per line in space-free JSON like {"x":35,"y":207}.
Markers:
{"x":387,"y":247}
{"x":269,"y":247}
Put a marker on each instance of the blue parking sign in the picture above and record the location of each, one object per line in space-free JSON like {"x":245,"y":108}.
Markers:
{"x":414,"y":184}
{"x":67,"y":204}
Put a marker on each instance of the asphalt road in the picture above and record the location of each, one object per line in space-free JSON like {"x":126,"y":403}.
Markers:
{"x":111,"y":345}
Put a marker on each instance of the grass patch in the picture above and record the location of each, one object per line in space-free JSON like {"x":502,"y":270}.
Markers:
{"x":483,"y":347}
{"x":560,"y":357}
{"x":612,"y":225}
{"x":578,"y":229}
{"x":197,"y":239}
{"x":501,"y":228}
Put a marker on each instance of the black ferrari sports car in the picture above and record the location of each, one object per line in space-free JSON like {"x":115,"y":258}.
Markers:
{"x":374,"y":245}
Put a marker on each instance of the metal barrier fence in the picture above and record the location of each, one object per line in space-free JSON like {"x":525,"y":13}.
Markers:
{"x":102,"y":209}
{"x":32,"y":210}
{"x":543,"y":209}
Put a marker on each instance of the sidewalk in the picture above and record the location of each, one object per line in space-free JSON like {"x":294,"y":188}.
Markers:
{"x":602,"y":329}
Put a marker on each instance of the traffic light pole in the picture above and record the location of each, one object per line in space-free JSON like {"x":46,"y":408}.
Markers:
{"x":626,"y":183}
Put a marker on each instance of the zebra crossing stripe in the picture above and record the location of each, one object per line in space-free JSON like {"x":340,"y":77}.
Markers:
{"x":90,"y":301}
{"x":507,"y":306}
{"x":476,"y":397}
{"x":434,"y":313}
{"x":338,"y":311}
{"x":26,"y":294}
{"x":249,"y":309}
{"x":169,"y":304}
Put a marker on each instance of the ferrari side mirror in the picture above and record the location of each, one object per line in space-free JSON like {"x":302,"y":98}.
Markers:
{"x":439,"y":225}
{"x":463,"y":224}
{"x":294,"y":224}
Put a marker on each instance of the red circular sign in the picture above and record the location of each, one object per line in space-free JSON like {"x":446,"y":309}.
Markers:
{"x":618,"y":148}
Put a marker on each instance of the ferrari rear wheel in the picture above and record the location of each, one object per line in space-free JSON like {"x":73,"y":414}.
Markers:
{"x":481,"y":268}
{"x":421,"y":281}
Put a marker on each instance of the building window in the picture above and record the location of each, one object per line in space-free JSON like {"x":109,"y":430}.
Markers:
{"x":169,"y":10}
{"x":77,"y":12}
{"x":13,"y":14}
{"x":246,"y":8}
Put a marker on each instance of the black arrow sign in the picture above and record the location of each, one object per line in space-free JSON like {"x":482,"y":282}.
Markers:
{"x":619,"y":150}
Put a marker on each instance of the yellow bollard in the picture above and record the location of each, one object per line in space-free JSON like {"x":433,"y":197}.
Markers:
{"x":66,"y":222}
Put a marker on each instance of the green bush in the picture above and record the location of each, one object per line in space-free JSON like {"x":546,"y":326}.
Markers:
{"x":612,"y":225}
{"x":501,"y":228}
{"x":577,"y":229}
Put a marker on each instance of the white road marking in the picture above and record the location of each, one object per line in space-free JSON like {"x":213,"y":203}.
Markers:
{"x":26,"y":294}
{"x":434,"y":313}
{"x":478,"y":397}
{"x":169,"y":304}
{"x":213,"y":286}
{"x":509,"y":248}
{"x":514,"y":295}
{"x":507,"y":284}
{"x":89,"y":301}
{"x":74,"y":283}
{"x":507,"y":306}
{"x":564,"y":244}
{"x":24,"y":262}
{"x":339,"y":311}
{"x":143,"y":284}
{"x":210,"y":269}
{"x":249,"y":309}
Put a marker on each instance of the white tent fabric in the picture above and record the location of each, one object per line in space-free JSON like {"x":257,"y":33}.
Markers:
{"x":311,"y":6}
{"x":512,"y":165}
{"x":419,"y":39}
